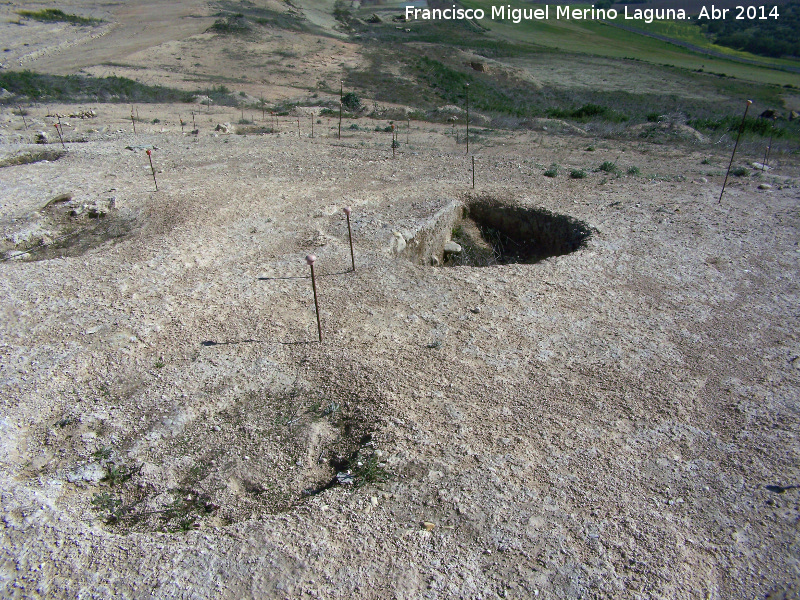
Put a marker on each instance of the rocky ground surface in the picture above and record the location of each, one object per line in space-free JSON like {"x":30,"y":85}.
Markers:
{"x":618,"y":422}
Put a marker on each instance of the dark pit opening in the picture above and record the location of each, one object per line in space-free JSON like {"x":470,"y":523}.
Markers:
{"x":492,"y":232}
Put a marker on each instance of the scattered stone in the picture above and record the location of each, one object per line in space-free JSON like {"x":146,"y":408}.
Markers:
{"x":435,"y":260}
{"x":41,"y":137}
{"x":374,"y":501}
{"x":428,"y":526}
{"x":374,"y":19}
{"x":345,"y":478}
{"x":452,"y":248}
{"x":475,"y":310}
{"x":765,"y":186}
{"x":91,"y":473}
{"x":399,"y":242}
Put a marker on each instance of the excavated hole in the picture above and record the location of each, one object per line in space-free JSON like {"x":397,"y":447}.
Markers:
{"x":492,"y":232}
{"x":65,"y":227}
{"x":26,"y":158}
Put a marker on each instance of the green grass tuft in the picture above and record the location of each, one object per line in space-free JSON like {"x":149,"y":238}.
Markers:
{"x":55,"y":15}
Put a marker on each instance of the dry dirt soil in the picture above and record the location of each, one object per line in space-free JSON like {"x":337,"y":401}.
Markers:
{"x":617,"y":422}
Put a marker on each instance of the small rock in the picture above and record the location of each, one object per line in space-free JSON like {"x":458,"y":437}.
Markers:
{"x":452,"y":248}
{"x":344,"y":478}
{"x":434,"y":260}
{"x":475,"y":310}
{"x":41,"y":137}
{"x":428,"y":526}
{"x":765,"y":186}
{"x":374,"y":501}
{"x":703,"y":180}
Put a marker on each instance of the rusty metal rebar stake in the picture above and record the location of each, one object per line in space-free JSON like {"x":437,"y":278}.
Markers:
{"x":473,"y":171}
{"x":152,"y":169}
{"x":59,"y":135}
{"x":310,"y":259}
{"x":347,"y":211}
{"x":736,"y":145}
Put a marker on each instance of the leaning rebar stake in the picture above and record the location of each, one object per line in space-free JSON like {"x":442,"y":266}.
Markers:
{"x":133,"y":122}
{"x":22,"y":114}
{"x":347,"y":211}
{"x":152,"y":169}
{"x":310,"y":260}
{"x":736,"y":145}
{"x":341,"y":98}
{"x":769,"y":147}
{"x":467,"y":86}
{"x":59,"y":135}
{"x":473,"y":171}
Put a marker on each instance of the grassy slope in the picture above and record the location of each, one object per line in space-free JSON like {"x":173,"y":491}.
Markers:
{"x":597,"y":38}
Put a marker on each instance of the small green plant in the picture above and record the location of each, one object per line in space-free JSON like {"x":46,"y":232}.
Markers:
{"x":107,"y":504}
{"x":102,"y":454}
{"x":705,"y":161}
{"x":156,"y":121}
{"x":370,"y":472}
{"x":653,"y":117}
{"x":243,"y":94}
{"x":159,"y":364}
{"x":608,"y":167}
{"x":577,"y":174}
{"x":633,"y":170}
{"x":590,"y":148}
{"x":740,"y":172}
{"x":552,"y":171}
{"x":118,"y":475}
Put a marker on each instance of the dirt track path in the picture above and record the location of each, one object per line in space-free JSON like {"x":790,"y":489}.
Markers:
{"x":132,"y":30}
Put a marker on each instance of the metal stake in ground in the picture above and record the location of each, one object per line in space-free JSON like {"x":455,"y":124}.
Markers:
{"x":408,"y":130}
{"x":736,"y":145}
{"x":193,"y":123}
{"x":182,"y":123}
{"x":769,"y":146}
{"x":341,"y":98}
{"x":467,"y":85}
{"x":133,"y":122}
{"x":22,"y":114}
{"x":152,"y":169}
{"x":298,"y":128}
{"x":473,"y":171}
{"x":347,"y":211}
{"x":59,"y":135}
{"x":310,"y":260}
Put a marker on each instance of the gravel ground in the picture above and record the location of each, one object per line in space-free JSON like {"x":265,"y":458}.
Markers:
{"x":618,"y":422}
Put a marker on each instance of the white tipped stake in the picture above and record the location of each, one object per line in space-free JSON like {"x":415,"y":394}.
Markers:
{"x":311,"y":259}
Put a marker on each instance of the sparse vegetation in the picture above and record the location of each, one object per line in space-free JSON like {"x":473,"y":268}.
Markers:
{"x":552,"y":171}
{"x":577,"y":174}
{"x":634,"y":170}
{"x":75,"y":88}
{"x":32,"y":157}
{"x":55,"y":15}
